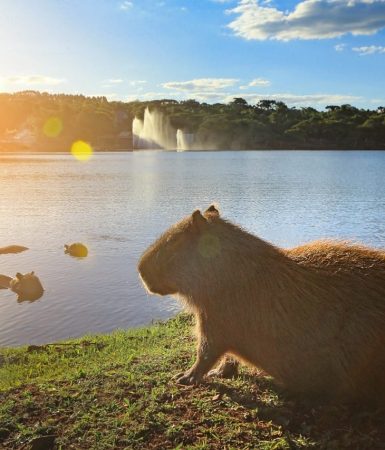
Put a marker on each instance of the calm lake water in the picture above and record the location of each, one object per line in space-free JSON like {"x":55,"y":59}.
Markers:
{"x":118,"y":203}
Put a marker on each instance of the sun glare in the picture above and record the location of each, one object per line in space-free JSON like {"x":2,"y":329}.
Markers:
{"x":81,"y":150}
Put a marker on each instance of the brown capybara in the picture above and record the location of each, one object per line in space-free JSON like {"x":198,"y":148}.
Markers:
{"x":313,"y":317}
{"x":28,"y":286}
{"x":12,"y":249}
{"x":77,"y":249}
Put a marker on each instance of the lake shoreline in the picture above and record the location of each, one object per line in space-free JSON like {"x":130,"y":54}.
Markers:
{"x":117,"y":391}
{"x":262,"y":149}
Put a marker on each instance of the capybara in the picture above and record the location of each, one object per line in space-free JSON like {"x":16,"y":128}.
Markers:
{"x":27,"y":286}
{"x":5,"y":281}
{"x":77,"y":249}
{"x":12,"y":249}
{"x":313,"y":317}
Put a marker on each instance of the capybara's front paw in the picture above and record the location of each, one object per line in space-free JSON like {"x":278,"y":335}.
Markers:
{"x":219,"y":373}
{"x":224,"y":372}
{"x":187,"y":378}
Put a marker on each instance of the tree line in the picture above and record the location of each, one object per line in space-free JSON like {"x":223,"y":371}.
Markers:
{"x":268,"y":124}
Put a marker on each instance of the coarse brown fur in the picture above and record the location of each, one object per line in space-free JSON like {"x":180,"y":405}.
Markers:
{"x":77,"y":249}
{"x":12,"y":249}
{"x":313,"y":316}
{"x":28,"y":286}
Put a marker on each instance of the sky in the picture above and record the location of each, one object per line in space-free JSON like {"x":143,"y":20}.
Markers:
{"x":304,"y":52}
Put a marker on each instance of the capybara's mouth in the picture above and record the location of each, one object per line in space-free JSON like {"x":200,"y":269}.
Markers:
{"x":152,"y":288}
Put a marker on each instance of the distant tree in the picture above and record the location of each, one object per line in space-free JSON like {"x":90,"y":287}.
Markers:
{"x":239,"y":101}
{"x":267,"y":104}
{"x":268,"y":124}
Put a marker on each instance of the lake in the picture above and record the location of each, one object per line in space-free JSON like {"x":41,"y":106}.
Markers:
{"x":118,"y":203}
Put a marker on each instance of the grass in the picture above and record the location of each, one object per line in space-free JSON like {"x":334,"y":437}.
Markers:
{"x":116,"y":391}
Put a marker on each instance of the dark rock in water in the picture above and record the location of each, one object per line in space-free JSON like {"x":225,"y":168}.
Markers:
{"x":77,"y":249}
{"x":12,"y":249}
{"x":28,"y":287}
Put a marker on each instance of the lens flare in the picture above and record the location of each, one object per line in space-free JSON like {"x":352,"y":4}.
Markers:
{"x":209,"y":245}
{"x":81,"y":150}
{"x":53,"y":126}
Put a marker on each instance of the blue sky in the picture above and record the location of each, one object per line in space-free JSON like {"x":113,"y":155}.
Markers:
{"x":310,"y":52}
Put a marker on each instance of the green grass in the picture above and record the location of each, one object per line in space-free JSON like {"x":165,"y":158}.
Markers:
{"x":117,"y":391}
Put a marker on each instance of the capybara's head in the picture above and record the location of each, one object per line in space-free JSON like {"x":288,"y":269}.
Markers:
{"x":77,"y":249}
{"x":27,"y":286}
{"x":182,"y":255}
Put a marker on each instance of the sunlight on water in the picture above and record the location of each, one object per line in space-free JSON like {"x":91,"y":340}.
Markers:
{"x":119,"y":203}
{"x":53,"y":127}
{"x":81,"y":150}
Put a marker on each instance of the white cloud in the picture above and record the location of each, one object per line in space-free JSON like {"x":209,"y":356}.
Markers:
{"x":310,"y":19}
{"x":200,"y":84}
{"x":339,"y":47}
{"x":214,"y":96}
{"x":126,"y":5}
{"x":137,"y":82}
{"x":112,"y":82}
{"x":289,"y":99}
{"x":257,"y":82}
{"x":369,"y":50}
{"x":377,"y":101}
{"x":152,"y":96}
{"x":33,"y":79}
{"x":301,"y":100}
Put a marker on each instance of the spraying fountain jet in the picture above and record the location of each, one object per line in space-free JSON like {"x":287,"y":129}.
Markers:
{"x":156,"y":132}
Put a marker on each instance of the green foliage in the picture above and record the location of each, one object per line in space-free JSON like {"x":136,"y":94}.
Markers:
{"x":116,"y":391}
{"x":269,"y":124}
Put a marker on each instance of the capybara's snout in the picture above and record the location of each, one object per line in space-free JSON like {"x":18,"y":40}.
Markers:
{"x":149,"y":276}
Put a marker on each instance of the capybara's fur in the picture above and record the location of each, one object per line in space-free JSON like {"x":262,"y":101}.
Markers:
{"x":5,"y":281}
{"x":27,"y":286}
{"x":313,"y":317}
{"x":12,"y":249}
{"x":77,"y":249}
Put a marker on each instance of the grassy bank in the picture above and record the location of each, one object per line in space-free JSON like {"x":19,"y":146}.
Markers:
{"x":116,"y":391}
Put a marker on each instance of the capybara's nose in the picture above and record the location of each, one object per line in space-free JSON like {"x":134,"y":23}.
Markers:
{"x":141,"y":267}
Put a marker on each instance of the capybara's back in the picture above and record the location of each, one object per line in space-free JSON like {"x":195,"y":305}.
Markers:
{"x":313,"y":317}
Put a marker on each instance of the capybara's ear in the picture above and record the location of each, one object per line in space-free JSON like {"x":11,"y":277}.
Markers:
{"x":33,"y":272}
{"x":213,"y":210}
{"x":19,"y":275}
{"x":198,"y":220}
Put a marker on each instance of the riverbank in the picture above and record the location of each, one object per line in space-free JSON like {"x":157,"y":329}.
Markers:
{"x":116,"y":391}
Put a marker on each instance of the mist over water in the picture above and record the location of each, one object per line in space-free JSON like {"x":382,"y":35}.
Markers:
{"x":118,"y":203}
{"x":156,"y":132}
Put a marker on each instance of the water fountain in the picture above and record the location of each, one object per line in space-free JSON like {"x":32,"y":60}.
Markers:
{"x":184,"y":141}
{"x":156,"y":132}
